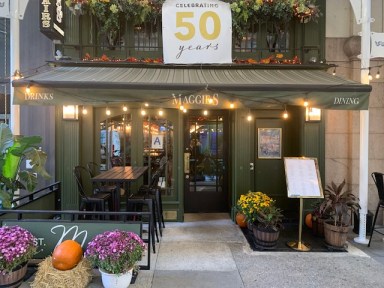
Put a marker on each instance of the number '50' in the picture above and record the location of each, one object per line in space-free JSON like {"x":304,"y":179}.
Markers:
{"x":182,"y":20}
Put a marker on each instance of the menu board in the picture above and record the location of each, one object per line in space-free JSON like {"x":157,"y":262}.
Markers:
{"x":303,"y":177}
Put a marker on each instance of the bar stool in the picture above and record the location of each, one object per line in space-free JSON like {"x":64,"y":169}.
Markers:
{"x":136,"y":205}
{"x":378,"y":178}
{"x":153,"y":191}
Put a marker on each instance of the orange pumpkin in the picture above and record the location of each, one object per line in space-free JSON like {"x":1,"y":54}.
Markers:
{"x":241,"y":220}
{"x":67,"y":255}
{"x":308,"y":220}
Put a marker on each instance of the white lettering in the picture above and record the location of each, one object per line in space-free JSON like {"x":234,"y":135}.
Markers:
{"x":38,"y":96}
{"x":346,"y":101}
{"x":205,"y":99}
{"x":75,"y":233}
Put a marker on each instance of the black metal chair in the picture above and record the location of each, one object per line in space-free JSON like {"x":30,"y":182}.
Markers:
{"x":93,"y":170}
{"x":90,"y":200}
{"x":378,"y":178}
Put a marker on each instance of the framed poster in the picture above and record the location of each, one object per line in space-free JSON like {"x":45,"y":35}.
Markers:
{"x":303,"y":177}
{"x":269,"y":143}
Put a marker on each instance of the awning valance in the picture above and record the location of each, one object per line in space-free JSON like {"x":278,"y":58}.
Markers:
{"x":168,"y":86}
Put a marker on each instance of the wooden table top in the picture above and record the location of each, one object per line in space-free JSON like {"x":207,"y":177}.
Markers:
{"x":121,"y":174}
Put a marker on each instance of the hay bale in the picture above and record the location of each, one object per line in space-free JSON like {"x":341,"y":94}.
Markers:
{"x":47,"y":276}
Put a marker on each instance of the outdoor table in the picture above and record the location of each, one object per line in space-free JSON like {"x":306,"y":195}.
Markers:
{"x":121,"y":175}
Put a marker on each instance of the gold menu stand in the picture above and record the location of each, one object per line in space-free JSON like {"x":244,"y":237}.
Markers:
{"x":303,"y":181}
{"x":299,"y":245}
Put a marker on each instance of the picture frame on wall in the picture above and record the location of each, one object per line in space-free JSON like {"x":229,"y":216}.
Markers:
{"x":269,"y":143}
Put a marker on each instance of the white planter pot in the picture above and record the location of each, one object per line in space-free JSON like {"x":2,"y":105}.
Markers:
{"x":116,"y":280}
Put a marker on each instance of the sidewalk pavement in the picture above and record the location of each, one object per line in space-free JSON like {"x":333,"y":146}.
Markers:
{"x":210,"y":251}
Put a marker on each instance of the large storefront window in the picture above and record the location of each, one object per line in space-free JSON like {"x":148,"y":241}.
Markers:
{"x":115,"y":141}
{"x":158,"y":151}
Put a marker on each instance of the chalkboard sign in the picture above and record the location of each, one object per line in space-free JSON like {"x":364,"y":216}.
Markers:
{"x":303,"y":177}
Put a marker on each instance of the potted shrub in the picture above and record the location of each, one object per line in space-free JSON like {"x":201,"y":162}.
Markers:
{"x":340,"y":204}
{"x":17,"y":247}
{"x":267,"y":225}
{"x":116,"y":254}
{"x":318,"y":218}
{"x":14,"y":150}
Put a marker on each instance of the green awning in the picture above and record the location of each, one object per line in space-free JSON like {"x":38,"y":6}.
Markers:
{"x":170,"y":86}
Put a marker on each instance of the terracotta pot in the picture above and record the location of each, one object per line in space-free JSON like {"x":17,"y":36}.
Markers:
{"x":265,"y":238}
{"x":13,"y":278}
{"x":335,"y":235}
{"x":241,"y":220}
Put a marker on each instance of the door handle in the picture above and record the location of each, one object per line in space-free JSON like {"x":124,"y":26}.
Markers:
{"x":186,"y":162}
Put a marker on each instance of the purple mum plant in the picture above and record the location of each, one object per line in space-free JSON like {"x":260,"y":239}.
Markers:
{"x":116,"y":251}
{"x":17,"y":246}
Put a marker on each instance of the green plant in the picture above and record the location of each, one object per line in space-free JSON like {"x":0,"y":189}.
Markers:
{"x":247,"y":12}
{"x":317,"y":213}
{"x":269,"y":217}
{"x":14,"y":150}
{"x":251,"y":202}
{"x":338,"y":202}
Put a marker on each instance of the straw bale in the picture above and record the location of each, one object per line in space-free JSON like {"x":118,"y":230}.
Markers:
{"x":47,"y":276}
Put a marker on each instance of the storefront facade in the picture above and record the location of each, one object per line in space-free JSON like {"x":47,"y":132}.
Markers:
{"x":228,"y":162}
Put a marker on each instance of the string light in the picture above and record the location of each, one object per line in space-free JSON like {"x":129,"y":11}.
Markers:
{"x":334,"y":71}
{"x":369,"y":74}
{"x":378,"y":74}
{"x":107,"y":111}
{"x":306,"y":103}
{"x":231,"y":105}
{"x":181,"y":108}
{"x":161,"y":112}
{"x":84,"y":111}
{"x":146,"y":104}
{"x":125,"y":108}
{"x":143,"y":113}
{"x":185,"y":110}
{"x":28,"y":88}
{"x":205,"y":112}
{"x":285,"y":114}
{"x":249,"y":118}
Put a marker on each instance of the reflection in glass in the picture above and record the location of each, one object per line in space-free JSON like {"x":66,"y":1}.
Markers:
{"x":158,"y":148}
{"x":115,"y":141}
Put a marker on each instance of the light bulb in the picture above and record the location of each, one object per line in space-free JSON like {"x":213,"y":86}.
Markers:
{"x":108,"y":112}
{"x":125,"y":108}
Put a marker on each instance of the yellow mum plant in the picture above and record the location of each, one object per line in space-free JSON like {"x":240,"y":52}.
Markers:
{"x":249,"y":204}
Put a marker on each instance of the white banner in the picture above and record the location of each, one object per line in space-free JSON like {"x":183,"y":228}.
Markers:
{"x":377,"y":45}
{"x":4,"y":9}
{"x":197,"y":31}
{"x":356,"y":6}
